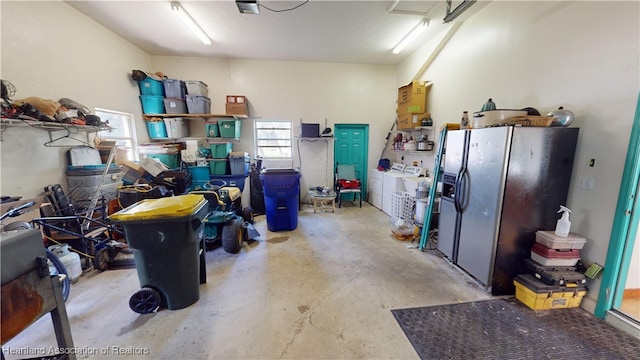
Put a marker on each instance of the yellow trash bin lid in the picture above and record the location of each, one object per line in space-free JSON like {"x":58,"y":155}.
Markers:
{"x":162,"y":208}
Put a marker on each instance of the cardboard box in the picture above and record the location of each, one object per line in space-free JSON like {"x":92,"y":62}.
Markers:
{"x":410,"y":121}
{"x":412,"y":98}
{"x":239,"y":99}
{"x":236,"y":109}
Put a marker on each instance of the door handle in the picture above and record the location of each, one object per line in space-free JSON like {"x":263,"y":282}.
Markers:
{"x":456,"y":190}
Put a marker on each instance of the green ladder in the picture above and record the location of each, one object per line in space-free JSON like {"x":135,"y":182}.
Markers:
{"x":424,"y":237}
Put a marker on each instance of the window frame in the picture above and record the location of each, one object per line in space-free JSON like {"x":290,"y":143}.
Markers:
{"x":133,"y":138}
{"x":257,"y":139}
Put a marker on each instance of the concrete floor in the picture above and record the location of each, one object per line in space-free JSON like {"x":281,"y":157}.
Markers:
{"x":323,"y":291}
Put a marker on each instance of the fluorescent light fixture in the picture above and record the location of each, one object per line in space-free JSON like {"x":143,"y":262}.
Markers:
{"x":192,"y":24}
{"x":451,"y":15}
{"x":248,"y":6}
{"x":411,"y":35}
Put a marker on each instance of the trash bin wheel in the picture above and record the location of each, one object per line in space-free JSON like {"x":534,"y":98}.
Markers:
{"x":102,"y":258}
{"x":232,"y":236}
{"x":145,"y":301}
{"x":247,"y":215}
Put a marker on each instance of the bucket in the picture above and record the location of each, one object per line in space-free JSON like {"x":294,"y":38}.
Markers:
{"x":69,"y":259}
{"x":421,"y":209}
{"x":422,"y":191}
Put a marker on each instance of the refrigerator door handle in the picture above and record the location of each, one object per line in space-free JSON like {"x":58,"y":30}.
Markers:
{"x":463,"y":186}
{"x":456,"y":190}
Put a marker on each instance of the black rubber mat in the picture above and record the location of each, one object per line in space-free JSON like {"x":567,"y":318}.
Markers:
{"x":507,"y":329}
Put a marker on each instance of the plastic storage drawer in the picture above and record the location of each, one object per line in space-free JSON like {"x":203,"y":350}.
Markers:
{"x":219,"y":166}
{"x":174,"y":88}
{"x":176,"y":127}
{"x":540,"y":296}
{"x":151,"y":86}
{"x":555,"y":275}
{"x":230,"y":128}
{"x":171,"y":160}
{"x":157,"y":129}
{"x":91,"y":177}
{"x":199,"y":173}
{"x":175,"y":106}
{"x":86,"y":193}
{"x":198,"y":104}
{"x":152,"y":104}
{"x":553,"y":241}
{"x":239,"y":163}
{"x":552,"y":257}
{"x":220,"y":150}
{"x":211,"y":130}
{"x":195,"y":87}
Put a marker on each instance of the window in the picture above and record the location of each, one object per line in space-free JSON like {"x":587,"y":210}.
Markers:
{"x":273,"y":139}
{"x":123,"y":131}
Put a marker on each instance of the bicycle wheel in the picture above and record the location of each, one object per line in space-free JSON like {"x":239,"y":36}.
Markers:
{"x":61,"y":270}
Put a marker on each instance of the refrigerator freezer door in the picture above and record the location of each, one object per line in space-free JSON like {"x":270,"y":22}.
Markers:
{"x":447,"y":228}
{"x":481,"y":199}
{"x":454,"y":151}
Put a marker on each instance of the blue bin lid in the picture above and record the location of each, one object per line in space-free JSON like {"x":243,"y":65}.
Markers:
{"x":280,"y":171}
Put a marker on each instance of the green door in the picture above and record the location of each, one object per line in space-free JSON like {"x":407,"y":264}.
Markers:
{"x":352,"y":147}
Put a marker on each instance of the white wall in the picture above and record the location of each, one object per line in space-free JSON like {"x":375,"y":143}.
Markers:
{"x":582,"y":55}
{"x":52,"y":51}
{"x":91,"y":73}
{"x":285,"y":90}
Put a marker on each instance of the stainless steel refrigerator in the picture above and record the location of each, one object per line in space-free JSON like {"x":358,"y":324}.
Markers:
{"x":500,"y":185}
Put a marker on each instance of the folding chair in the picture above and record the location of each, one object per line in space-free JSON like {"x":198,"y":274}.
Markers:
{"x":347,"y":183}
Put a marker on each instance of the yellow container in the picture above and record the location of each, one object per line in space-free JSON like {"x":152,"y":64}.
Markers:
{"x":163,"y":208}
{"x":560,"y":297}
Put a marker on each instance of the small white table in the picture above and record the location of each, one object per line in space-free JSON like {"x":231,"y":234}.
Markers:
{"x":322,"y":200}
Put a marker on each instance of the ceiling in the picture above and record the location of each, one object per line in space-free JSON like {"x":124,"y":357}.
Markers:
{"x":361,"y":32}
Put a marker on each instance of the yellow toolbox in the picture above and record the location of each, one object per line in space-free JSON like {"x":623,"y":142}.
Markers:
{"x":540,"y":296}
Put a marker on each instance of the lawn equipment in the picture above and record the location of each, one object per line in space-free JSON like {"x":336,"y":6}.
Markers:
{"x":226,"y":220}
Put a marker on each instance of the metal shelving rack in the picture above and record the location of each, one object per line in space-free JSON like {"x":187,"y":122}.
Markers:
{"x":50,"y":127}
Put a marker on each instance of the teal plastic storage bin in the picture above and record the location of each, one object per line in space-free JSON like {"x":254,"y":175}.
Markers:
{"x":152,"y":104}
{"x":211,"y":130}
{"x":230,"y":128}
{"x":171,"y":160}
{"x":199,"y":173}
{"x":156,"y":129}
{"x":221,"y":150}
{"x":151,"y":86}
{"x":219,"y":166}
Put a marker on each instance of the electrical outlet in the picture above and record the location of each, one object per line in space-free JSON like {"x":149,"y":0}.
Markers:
{"x":585,"y":183}
{"x":582,"y":183}
{"x":589,"y":184}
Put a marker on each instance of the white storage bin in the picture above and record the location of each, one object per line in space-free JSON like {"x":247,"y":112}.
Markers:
{"x":553,"y":241}
{"x":176,"y":127}
{"x":195,"y":87}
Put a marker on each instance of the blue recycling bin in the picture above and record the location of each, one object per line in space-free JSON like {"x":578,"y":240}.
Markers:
{"x":281,"y":198}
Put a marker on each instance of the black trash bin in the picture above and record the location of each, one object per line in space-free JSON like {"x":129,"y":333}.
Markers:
{"x":166,"y":237}
{"x":281,"y":197}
